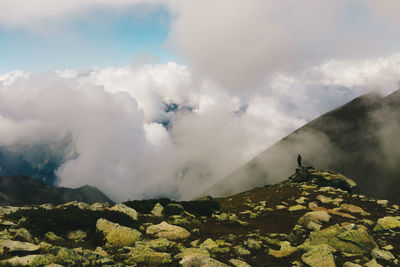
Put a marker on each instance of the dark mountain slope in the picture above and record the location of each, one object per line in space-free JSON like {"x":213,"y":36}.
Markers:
{"x":39,"y":161}
{"x":21,"y":190}
{"x":359,"y":139}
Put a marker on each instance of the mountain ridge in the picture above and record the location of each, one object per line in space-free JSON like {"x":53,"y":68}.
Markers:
{"x":18,"y":190}
{"x":349,"y":139}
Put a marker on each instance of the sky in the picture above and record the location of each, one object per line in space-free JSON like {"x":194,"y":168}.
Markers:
{"x":240,"y":75}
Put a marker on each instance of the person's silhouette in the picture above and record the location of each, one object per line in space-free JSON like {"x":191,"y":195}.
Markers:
{"x":299,"y":160}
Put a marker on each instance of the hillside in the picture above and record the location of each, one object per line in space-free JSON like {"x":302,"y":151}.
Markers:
{"x":358,"y":139}
{"x":39,"y":161}
{"x":306,"y":220}
{"x":20,"y":190}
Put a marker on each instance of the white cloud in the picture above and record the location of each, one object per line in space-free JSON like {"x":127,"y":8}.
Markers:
{"x":241,"y":43}
{"x":115,"y":114}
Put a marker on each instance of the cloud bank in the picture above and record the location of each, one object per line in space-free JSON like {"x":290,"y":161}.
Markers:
{"x":131,"y":145}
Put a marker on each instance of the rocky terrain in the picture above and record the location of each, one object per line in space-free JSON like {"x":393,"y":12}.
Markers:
{"x":314,"y":218}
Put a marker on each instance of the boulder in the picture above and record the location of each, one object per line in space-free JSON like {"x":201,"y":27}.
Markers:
{"x":159,"y":244}
{"x":157,"y":210}
{"x":350,"y":264}
{"x":348,"y":238}
{"x":327,"y":200}
{"x":353,"y":209}
{"x":238,"y":263}
{"x":76,"y":235}
{"x":297,"y":208}
{"x":30,"y":260}
{"x":190,"y":252}
{"x":382,"y":254}
{"x":117,"y":235}
{"x":241,"y":251}
{"x":387,"y":223}
{"x":373,"y":263}
{"x":69,"y":257}
{"x":312,"y":220}
{"x":168,"y":231}
{"x":99,"y":206}
{"x":285,"y":250}
{"x":126,"y":210}
{"x":97,"y":257}
{"x":200,"y":260}
{"x":23,"y":234}
{"x":208,"y":244}
{"x":253,"y":244}
{"x":11,"y":246}
{"x":144,"y":255}
{"x":323,"y":178}
{"x":53,"y":238}
{"x":319,"y":256}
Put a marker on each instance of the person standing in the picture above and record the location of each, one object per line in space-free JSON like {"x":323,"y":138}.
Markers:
{"x":299,"y":160}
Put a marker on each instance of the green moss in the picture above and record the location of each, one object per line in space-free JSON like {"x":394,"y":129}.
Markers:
{"x":147,"y":256}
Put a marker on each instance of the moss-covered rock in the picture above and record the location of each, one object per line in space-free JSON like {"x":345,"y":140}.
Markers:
{"x":159,"y":244}
{"x":23,"y":234}
{"x":30,"y":260}
{"x":313,"y":220}
{"x":387,"y":223}
{"x":69,"y":257}
{"x":349,"y":238}
{"x":144,"y":255}
{"x":191,"y":251}
{"x":10,"y":246}
{"x":157,"y":210}
{"x":285,"y":250}
{"x":166,"y":230}
{"x":208,"y":244}
{"x":53,"y":238}
{"x":76,"y":235}
{"x":117,"y":235}
{"x":126,"y":210}
{"x":238,"y":263}
{"x":319,"y":256}
{"x":201,"y":260}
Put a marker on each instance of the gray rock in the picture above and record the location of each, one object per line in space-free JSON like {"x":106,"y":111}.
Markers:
{"x":387,"y":223}
{"x":353,"y":209}
{"x":239,"y":263}
{"x":350,"y":264}
{"x":312,"y":220}
{"x":319,"y":256}
{"x":157,"y":210}
{"x":53,"y":238}
{"x":76,"y":235}
{"x":17,"y":246}
{"x":117,"y":235}
{"x":126,"y":210}
{"x":30,"y":260}
{"x":168,"y":231}
{"x":241,"y":251}
{"x":69,"y":257}
{"x":382,"y":254}
{"x":23,"y":234}
{"x":373,"y":263}
{"x":350,"y":238}
{"x":144,"y":255}
{"x":200,"y":260}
